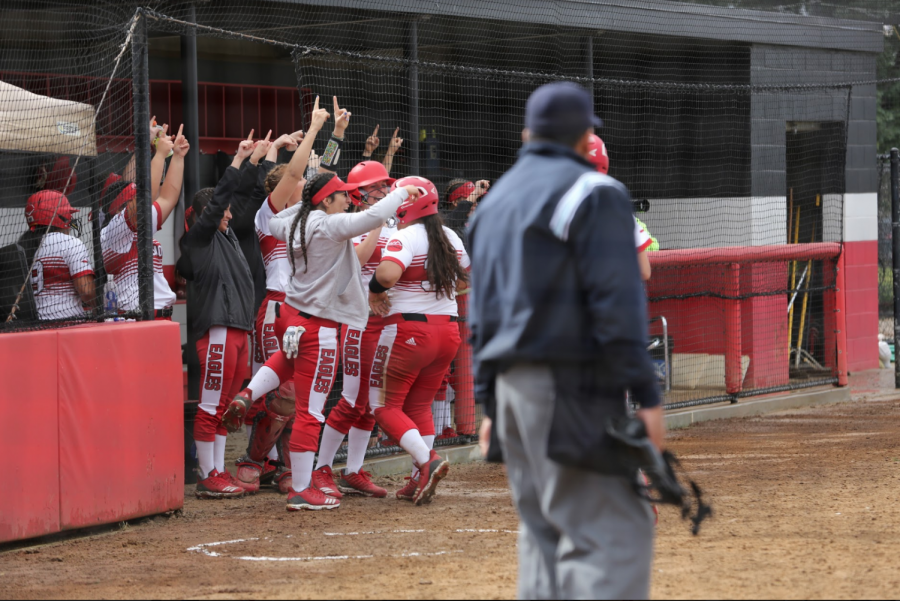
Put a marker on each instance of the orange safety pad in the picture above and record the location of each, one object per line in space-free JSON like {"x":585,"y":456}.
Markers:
{"x":121,"y":420}
{"x":29,"y":503}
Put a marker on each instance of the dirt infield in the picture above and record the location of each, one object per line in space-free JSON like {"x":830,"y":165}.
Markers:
{"x":806,"y":507}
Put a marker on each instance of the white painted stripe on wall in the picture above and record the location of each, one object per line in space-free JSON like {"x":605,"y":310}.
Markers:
{"x":861,"y":217}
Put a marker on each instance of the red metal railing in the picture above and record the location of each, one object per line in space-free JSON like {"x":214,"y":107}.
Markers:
{"x":227,"y":112}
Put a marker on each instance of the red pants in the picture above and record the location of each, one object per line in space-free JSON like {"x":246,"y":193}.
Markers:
{"x":223,"y":359}
{"x":410,"y":362}
{"x":353,"y":410}
{"x":462,"y":380}
{"x":267,"y":340}
{"x":314,"y":370}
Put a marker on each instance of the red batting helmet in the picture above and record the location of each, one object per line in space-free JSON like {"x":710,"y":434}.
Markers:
{"x":425,"y":205}
{"x":368,"y":173}
{"x":40,"y":209}
{"x":597,"y":154}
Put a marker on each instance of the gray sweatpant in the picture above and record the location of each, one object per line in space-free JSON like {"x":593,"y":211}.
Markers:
{"x":582,"y":535}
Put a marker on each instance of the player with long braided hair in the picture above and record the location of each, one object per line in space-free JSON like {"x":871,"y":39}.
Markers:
{"x":423,"y":265}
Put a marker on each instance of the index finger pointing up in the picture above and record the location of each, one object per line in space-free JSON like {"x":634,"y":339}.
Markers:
{"x":396,"y":131}
{"x":316,"y":107}
{"x":250,"y":137}
{"x":268,"y":135}
{"x":180,"y":129}
{"x":336,"y":106}
{"x":375,"y":133}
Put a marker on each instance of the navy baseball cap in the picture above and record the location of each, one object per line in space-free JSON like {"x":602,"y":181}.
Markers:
{"x":560,"y":109}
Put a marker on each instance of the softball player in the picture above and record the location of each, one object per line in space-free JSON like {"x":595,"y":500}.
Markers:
{"x":62,"y":277}
{"x":352,"y":417}
{"x":284,"y":187}
{"x":223,"y":294}
{"x":598,"y":155}
{"x":119,"y":237}
{"x":423,"y":265}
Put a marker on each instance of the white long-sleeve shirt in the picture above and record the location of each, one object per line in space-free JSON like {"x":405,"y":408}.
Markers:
{"x":332,"y":286}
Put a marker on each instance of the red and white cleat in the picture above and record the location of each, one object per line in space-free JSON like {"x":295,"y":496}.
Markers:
{"x":430,"y":474}
{"x":323,"y":480}
{"x":312,"y":500}
{"x":360,"y":483}
{"x":408,"y":492}
{"x":216,"y":486}
{"x":447,"y":434}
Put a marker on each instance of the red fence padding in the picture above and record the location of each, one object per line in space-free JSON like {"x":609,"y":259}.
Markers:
{"x":745,"y":254}
{"x":121,"y":422}
{"x":29,"y":503}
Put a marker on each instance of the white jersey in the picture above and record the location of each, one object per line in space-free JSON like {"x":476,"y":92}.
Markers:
{"x":274,"y":251}
{"x":60,"y":259}
{"x":413,"y":293}
{"x":119,"y":243}
{"x":642,"y":239}
{"x":368,"y":270}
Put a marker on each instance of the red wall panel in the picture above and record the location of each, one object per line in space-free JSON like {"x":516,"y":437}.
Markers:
{"x":121,"y":422}
{"x":29,"y":505}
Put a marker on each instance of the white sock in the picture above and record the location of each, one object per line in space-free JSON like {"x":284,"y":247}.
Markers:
{"x":413,"y":444}
{"x":301,"y":470}
{"x":328,"y":448}
{"x":264,"y":382}
{"x":205,"y":454}
{"x":429,"y":442}
{"x":357,"y":445}
{"x":219,"y":457}
{"x":273,"y":454}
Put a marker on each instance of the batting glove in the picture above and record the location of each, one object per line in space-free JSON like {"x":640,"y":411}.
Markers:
{"x":291,"y":342}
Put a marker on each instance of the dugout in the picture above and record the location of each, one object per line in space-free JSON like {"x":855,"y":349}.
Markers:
{"x":699,"y":103}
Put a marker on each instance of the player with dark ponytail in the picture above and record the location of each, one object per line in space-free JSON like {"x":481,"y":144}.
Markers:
{"x":423,"y":266}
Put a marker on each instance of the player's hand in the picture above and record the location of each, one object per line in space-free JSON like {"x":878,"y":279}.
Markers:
{"x":654,"y":421}
{"x":481,"y":188}
{"x":156,"y":130}
{"x":396,"y":142}
{"x":319,"y":117}
{"x":372,"y":143}
{"x":260,"y":149}
{"x":341,"y":119}
{"x":291,"y":341}
{"x":181,"y":144}
{"x":164,"y":142}
{"x":484,"y":437}
{"x":379,"y":303}
{"x":245,"y":148}
{"x":413,"y":192}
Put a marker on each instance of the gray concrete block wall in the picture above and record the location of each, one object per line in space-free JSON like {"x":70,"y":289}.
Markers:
{"x":782,"y":65}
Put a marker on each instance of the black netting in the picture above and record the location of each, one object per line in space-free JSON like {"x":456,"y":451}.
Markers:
{"x":747,"y":133}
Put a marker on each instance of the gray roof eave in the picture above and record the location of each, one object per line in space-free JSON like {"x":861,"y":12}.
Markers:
{"x":657,"y":17}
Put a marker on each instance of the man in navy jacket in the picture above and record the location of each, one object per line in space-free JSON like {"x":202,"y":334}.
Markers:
{"x":559,"y":322}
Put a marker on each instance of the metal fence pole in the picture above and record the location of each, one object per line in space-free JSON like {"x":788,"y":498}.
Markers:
{"x":413,"y":55}
{"x":140,"y":74}
{"x":189,"y":102}
{"x":895,"y":245}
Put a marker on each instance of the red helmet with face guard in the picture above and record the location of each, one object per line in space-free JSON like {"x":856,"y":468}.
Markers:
{"x":425,"y":205}
{"x":49,"y":207}
{"x":597,"y":154}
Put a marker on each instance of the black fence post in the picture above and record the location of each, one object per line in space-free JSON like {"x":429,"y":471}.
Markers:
{"x":895,"y":245}
{"x":412,"y":53}
{"x":140,"y":73}
{"x":189,"y":102}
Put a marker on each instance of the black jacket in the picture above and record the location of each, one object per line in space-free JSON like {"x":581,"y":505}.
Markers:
{"x":243,"y":223}
{"x":555,"y":278}
{"x":220,"y":289}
